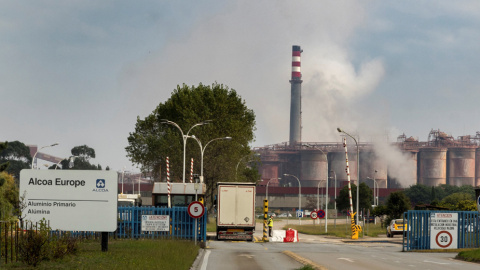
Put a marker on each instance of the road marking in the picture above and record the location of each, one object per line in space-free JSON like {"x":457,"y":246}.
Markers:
{"x":303,"y":261}
{"x":247,"y":255}
{"x":346,"y":259}
{"x":435,"y":262}
{"x":205,"y":260}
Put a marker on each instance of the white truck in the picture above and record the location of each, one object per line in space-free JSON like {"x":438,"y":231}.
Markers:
{"x":235,"y":211}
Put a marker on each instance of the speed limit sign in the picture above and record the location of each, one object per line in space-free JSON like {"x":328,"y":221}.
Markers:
{"x":443,"y":230}
{"x":196,"y":209}
{"x":313,"y":215}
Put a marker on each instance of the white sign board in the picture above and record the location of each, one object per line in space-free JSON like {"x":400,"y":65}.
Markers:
{"x":443,"y":231}
{"x":155,"y":223}
{"x":71,"y":200}
{"x":299,"y":213}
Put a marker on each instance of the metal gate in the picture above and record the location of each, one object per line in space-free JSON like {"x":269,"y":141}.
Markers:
{"x":418,"y":235}
{"x":182,"y":226}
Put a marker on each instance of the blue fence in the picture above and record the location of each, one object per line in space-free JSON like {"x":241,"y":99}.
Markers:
{"x":419,"y":229}
{"x":182,"y":226}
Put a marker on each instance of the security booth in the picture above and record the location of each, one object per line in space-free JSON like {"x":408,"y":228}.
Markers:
{"x":181,"y":194}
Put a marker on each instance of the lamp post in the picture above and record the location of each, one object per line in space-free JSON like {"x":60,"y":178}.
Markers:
{"x":184,"y":137}
{"x":335,"y":199}
{"x":299,"y":192}
{"x":33,"y":159}
{"x":358,"y":171}
{"x":71,"y":160}
{"x":326,"y":186}
{"x":269,"y":183}
{"x":335,"y":189}
{"x":202,"y":150}
{"x":123,"y":173}
{"x":236,"y":168}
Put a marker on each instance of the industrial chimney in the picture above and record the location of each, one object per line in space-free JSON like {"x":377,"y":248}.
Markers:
{"x":296,"y":98}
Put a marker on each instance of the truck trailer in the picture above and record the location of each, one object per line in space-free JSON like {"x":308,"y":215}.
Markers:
{"x":235,"y":211}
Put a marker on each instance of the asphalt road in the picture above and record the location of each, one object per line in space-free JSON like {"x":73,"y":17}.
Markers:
{"x":323,"y":252}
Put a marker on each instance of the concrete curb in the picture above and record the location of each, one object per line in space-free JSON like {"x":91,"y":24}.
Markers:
{"x":198,"y":261}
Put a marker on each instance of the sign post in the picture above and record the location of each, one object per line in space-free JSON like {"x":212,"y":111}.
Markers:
{"x":196,"y":210}
{"x":443,"y":230}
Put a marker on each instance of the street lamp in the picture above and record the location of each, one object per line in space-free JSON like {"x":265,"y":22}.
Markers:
{"x":236,"y":168}
{"x":335,"y":199}
{"x":299,"y":192}
{"x":33,"y":159}
{"x":375,"y":198}
{"x":71,"y":160}
{"x":358,"y":171}
{"x":326,"y":186}
{"x":202,"y":150}
{"x":269,"y":183}
{"x":335,"y":190}
{"x":184,"y":137}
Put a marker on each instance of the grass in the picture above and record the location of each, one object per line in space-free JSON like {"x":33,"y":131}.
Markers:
{"x":212,"y":225}
{"x":125,"y":254}
{"x":469,"y":255}
{"x":341,"y":230}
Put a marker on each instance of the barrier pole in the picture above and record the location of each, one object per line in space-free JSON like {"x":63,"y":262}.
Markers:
{"x":265,"y":219}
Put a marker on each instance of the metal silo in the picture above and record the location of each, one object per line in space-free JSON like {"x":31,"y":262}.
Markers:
{"x":432,"y":166}
{"x":369,"y":163}
{"x":461,"y":166}
{"x":314,"y":168}
{"x":477,"y":167}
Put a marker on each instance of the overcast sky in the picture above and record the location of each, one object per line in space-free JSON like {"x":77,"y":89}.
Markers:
{"x":81,"y":72}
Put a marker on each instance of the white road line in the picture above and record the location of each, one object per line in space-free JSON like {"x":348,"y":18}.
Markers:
{"x":205,"y":260}
{"x":346,"y":259}
{"x":435,"y":262}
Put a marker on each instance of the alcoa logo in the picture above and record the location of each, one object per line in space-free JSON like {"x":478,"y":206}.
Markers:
{"x":100,"y":186}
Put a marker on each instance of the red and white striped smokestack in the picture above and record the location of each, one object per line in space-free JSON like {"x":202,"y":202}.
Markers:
{"x":296,"y":98}
{"x":296,"y":63}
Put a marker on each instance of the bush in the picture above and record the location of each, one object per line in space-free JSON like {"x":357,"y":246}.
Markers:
{"x":64,"y":245}
{"x":32,"y":247}
{"x":39,"y":244}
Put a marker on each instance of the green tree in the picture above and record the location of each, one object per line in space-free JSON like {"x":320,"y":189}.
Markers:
{"x":153,"y":140}
{"x":458,"y":200}
{"x":8,"y":196}
{"x":82,"y":154}
{"x":365,"y":193}
{"x":17,"y":154}
{"x":419,"y":194}
{"x":397,"y":203}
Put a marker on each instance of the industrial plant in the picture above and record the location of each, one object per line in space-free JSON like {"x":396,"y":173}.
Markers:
{"x":441,"y":159}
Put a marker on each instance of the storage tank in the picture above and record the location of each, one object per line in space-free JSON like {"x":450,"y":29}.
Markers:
{"x":477,"y":167}
{"x":269,"y":165}
{"x":339,"y":165}
{"x":432,"y":166}
{"x":461,"y":166}
{"x":314,"y":168}
{"x":369,"y":163}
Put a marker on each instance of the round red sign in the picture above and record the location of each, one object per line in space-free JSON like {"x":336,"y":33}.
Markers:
{"x":196,"y":209}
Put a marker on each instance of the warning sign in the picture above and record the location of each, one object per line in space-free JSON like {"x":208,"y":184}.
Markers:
{"x":443,"y":230}
{"x":155,"y":223}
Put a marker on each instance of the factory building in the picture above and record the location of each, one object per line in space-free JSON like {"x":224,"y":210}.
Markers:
{"x":439,"y":160}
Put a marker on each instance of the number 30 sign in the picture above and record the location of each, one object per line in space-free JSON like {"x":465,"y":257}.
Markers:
{"x":196,"y":209}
